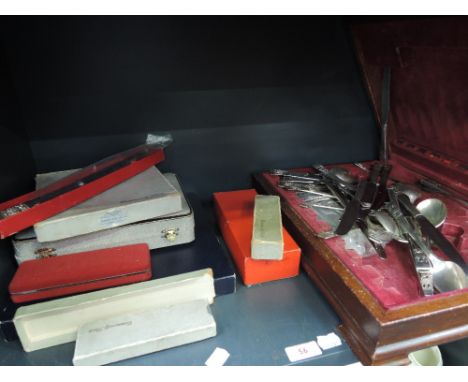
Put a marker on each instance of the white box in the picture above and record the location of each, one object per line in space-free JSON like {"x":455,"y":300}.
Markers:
{"x":136,"y":334}
{"x":145,"y":196}
{"x":56,"y":322}
{"x":173,"y":229}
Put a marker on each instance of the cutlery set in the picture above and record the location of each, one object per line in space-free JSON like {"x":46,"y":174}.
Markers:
{"x":385,"y":211}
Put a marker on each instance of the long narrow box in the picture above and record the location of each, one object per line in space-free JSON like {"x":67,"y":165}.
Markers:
{"x":267,"y":239}
{"x":80,"y":272}
{"x":164,"y":231}
{"x":235,"y":217}
{"x":56,"y":322}
{"x":26,"y":210}
{"x":136,"y":334}
{"x":146,"y":196}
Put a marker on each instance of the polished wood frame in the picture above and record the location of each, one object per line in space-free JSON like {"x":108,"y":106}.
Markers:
{"x":376,"y":335}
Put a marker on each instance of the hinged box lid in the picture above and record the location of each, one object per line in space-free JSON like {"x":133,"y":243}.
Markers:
{"x":428,"y":120}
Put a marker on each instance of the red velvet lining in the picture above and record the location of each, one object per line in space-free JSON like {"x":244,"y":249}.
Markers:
{"x":428,"y":105}
{"x":391,"y":281}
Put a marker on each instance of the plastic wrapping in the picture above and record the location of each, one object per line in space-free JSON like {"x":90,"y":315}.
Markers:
{"x":355,"y":240}
{"x":160,"y":140}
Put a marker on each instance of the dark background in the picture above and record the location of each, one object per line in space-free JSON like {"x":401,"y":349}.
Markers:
{"x":238,"y":94}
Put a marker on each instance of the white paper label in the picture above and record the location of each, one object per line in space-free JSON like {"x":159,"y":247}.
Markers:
{"x":329,"y":341}
{"x":302,"y":351}
{"x":218,"y":357}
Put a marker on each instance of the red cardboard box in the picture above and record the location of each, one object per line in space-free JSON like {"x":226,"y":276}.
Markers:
{"x":80,"y":272}
{"x":235,"y":217}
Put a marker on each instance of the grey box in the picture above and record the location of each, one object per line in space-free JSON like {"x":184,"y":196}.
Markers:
{"x":172,"y":229}
{"x":145,"y":196}
{"x":56,"y":322}
{"x":138,"y":333}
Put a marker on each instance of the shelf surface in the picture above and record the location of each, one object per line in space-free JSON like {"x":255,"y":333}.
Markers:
{"x":254,"y":325}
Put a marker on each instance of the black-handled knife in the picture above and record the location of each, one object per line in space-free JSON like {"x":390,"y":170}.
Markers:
{"x":428,"y":229}
{"x":352,"y":210}
{"x":382,"y":194}
{"x":370,"y":191}
{"x":360,"y":205}
{"x":371,"y":187}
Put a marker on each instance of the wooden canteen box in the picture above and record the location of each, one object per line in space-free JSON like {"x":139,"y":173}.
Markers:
{"x":384,"y":317}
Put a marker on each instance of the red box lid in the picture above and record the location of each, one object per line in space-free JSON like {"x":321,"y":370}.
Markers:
{"x":26,"y":210}
{"x":428,"y":120}
{"x":79,"y":272}
{"x":235,"y":205}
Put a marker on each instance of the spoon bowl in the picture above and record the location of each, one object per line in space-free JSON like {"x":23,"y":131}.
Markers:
{"x":409,"y":190}
{"x":433,"y":210}
{"x":379,"y":235}
{"x":389,"y":225}
{"x":447,"y":275}
{"x":343,"y":175}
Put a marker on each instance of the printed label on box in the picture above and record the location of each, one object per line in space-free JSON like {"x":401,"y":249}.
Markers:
{"x":114,"y":217}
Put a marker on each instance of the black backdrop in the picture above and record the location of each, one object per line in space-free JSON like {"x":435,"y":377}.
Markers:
{"x":238,"y":94}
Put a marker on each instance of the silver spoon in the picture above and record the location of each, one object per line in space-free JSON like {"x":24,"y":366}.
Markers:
{"x":447,"y":275}
{"x":433,"y":210}
{"x":378,"y":233}
{"x":409,"y":190}
{"x":342,"y":175}
{"x":387,"y":222}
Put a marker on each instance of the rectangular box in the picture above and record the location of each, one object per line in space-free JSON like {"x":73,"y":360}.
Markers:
{"x":235,"y":217}
{"x":169,"y":230}
{"x":56,"y":322}
{"x":135,"y":334}
{"x":384,"y":316}
{"x":145,"y":196}
{"x":267,"y":239}
{"x":26,"y":210}
{"x":80,"y":272}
